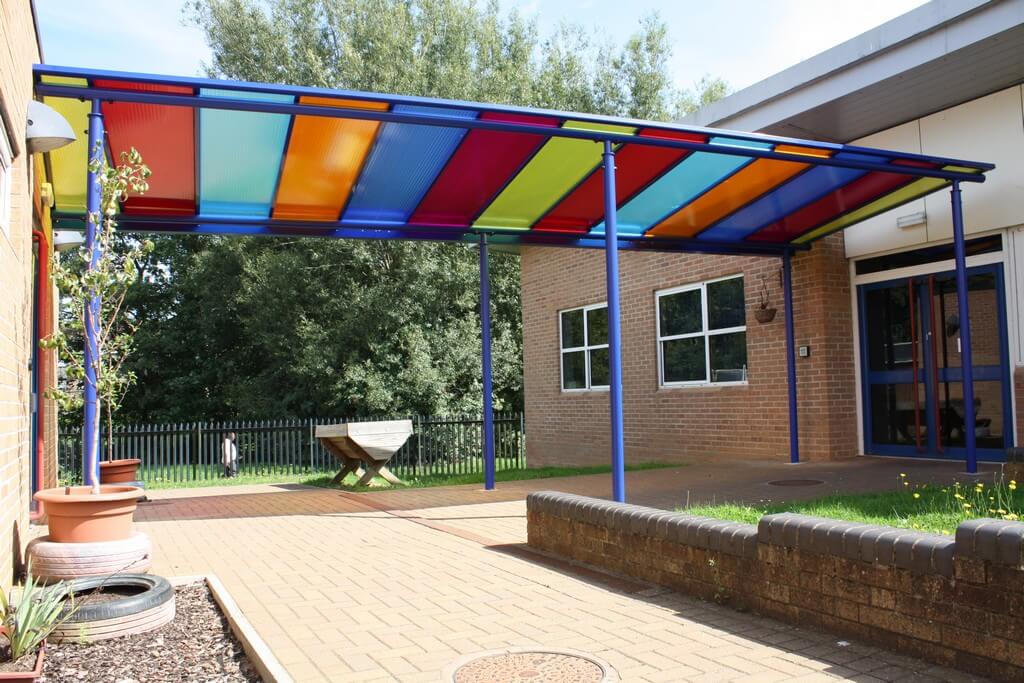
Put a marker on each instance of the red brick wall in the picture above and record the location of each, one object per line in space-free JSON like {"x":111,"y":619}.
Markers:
{"x":676,"y":424}
{"x":957,"y":602}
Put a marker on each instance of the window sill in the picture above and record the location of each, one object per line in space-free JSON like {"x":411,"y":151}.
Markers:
{"x":701,"y":385}
{"x":591,"y":390}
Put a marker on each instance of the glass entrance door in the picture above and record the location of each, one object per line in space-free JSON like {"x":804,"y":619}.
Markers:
{"x":912,"y":380}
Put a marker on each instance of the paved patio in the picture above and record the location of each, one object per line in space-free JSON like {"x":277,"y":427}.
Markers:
{"x":394,"y":586}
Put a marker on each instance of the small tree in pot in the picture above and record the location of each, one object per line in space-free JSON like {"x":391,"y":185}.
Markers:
{"x":112,"y":273}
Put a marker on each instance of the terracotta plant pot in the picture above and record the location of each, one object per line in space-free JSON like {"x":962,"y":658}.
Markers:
{"x":119,"y":471}
{"x":26,"y":676}
{"x":83,"y":517}
{"x":765,"y":315}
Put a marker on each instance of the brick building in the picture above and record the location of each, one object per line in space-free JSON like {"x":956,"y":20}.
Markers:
{"x":22,"y":221}
{"x":874,"y":306}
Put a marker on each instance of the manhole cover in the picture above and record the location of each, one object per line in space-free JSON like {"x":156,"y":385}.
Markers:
{"x":531,"y":666}
{"x":795,"y":482}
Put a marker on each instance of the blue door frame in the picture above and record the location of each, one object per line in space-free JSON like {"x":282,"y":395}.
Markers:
{"x":932,"y":377}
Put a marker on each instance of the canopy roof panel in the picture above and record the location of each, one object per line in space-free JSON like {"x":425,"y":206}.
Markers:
{"x":251,"y":158}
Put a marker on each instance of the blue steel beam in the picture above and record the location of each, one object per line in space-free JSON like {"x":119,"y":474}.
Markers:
{"x":225,"y":225}
{"x":787,"y":295}
{"x":91,"y":412}
{"x":40,"y":70}
{"x":485,"y":357}
{"x":966,"y":356}
{"x":169,"y":99}
{"x":611,"y":259}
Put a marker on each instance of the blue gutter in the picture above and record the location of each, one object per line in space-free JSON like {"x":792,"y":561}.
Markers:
{"x":292,"y":109}
{"x":40,"y":70}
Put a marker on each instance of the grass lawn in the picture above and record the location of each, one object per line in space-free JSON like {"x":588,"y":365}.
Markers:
{"x":323,"y":479}
{"x":923,"y":508}
{"x":514,"y":474}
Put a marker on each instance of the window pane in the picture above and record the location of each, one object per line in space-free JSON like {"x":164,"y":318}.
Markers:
{"x":574,"y":370}
{"x":728,"y":357}
{"x":597,"y":326}
{"x":684,"y":360}
{"x":572,"y":329}
{"x":599,"y":372}
{"x":680,"y":313}
{"x":725,"y":304}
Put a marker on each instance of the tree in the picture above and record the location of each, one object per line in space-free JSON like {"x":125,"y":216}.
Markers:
{"x":277,"y":327}
{"x":102,"y":277}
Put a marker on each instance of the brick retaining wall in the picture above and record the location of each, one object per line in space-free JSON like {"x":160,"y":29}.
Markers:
{"x":955,"y":601}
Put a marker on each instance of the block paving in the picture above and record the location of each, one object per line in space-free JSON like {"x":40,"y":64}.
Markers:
{"x":395,"y":586}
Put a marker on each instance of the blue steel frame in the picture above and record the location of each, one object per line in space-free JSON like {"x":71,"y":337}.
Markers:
{"x":787,"y":294}
{"x":611,"y":259}
{"x":611,"y":241}
{"x":485,"y":357}
{"x":966,"y":357}
{"x":91,"y":416}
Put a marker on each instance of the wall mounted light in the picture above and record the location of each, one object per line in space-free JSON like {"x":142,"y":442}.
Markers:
{"x":47,"y":130}
{"x":66,"y":240}
{"x":910,"y":220}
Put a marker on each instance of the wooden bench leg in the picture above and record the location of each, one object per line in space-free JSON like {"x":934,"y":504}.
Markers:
{"x":350,"y":465}
{"x":377,"y":469}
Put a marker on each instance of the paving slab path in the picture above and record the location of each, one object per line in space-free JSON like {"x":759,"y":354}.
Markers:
{"x":394,"y":586}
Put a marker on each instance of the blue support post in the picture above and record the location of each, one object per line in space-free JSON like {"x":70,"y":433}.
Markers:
{"x":485,"y":336}
{"x":611,"y":253}
{"x":787,"y":295}
{"x":91,"y":418}
{"x":966,"y":360}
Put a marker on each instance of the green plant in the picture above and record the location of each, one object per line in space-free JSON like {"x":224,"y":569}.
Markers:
{"x":107,"y":271}
{"x":39,"y":611}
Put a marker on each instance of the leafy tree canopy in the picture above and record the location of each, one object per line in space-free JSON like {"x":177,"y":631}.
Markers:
{"x":280,"y":327}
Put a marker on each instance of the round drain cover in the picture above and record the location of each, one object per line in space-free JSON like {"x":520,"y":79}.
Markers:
{"x":795,"y":482}
{"x":531,"y":666}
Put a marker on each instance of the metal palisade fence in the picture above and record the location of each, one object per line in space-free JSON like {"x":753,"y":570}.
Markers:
{"x":183,"y":452}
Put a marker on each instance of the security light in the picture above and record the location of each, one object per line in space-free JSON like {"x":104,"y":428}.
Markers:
{"x":47,"y":130}
{"x":66,"y":240}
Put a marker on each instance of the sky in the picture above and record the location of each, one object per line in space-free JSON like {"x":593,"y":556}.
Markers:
{"x":742,"y":41}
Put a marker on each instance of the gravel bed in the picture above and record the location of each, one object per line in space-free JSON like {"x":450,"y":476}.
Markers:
{"x":197,"y":646}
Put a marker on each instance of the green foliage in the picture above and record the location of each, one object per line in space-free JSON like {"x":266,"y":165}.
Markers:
{"x":283,"y":327}
{"x":111,"y":275}
{"x":935,"y":509}
{"x":39,"y":611}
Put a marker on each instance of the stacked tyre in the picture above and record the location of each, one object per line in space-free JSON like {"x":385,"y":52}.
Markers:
{"x":64,"y":561}
{"x":141,"y":602}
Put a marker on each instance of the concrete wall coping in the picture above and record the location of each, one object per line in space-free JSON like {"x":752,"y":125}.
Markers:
{"x":995,"y":541}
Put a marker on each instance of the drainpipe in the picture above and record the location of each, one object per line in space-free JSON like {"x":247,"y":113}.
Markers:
{"x":42,"y":309}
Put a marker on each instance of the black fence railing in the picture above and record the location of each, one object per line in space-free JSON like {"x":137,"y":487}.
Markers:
{"x":184,"y":452}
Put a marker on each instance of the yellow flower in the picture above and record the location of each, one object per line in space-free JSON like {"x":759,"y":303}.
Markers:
{"x":902,"y":475}
{"x":1001,"y":511}
{"x":917,"y":495}
{"x":958,"y":496}
{"x":1013,"y":486}
{"x":906,"y":483}
{"x":1010,"y":517}
{"x":967,"y":506}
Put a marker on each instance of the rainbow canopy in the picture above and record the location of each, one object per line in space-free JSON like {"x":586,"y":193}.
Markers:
{"x":250,"y":158}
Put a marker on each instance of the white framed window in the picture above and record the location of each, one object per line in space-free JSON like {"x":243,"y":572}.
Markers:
{"x":583,"y":346}
{"x":702,"y":333}
{"x":6,"y":160}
